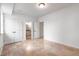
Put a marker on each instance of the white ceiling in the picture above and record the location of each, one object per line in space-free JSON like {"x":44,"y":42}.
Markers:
{"x":31,"y":9}
{"x":7,"y":8}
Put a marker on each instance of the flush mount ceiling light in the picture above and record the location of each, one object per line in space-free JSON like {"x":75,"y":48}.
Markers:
{"x":41,"y":5}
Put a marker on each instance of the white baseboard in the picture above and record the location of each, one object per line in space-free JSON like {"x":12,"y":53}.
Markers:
{"x":65,"y":44}
{"x":12,"y":42}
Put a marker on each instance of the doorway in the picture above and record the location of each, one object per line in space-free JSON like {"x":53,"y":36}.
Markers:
{"x":28,"y":31}
{"x":41,"y":30}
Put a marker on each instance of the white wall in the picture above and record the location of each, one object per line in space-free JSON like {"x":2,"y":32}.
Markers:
{"x":0,"y":22}
{"x":36,"y":30}
{"x":1,"y":36}
{"x":15,"y":23}
{"x":62,"y":26}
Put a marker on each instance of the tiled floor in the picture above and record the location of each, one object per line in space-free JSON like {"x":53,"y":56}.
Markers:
{"x":38,"y":47}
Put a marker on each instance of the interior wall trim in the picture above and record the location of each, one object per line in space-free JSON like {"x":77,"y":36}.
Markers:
{"x":62,"y":43}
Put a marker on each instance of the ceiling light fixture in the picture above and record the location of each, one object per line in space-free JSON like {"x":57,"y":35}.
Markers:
{"x":41,"y":5}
